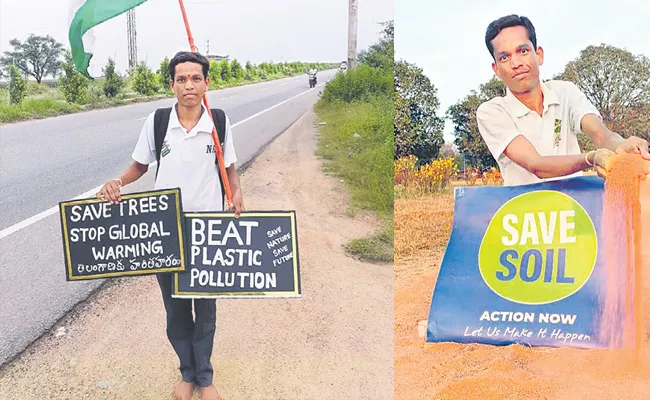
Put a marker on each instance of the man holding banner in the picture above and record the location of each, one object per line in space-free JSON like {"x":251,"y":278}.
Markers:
{"x":532,"y":131}
{"x":186,"y":160}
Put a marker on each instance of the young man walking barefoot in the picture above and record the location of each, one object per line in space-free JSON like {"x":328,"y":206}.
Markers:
{"x":187,"y":160}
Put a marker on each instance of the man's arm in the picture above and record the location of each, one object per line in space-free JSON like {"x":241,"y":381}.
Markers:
{"x":524,"y":154}
{"x":503,"y":138}
{"x":584,"y":117}
{"x":235,"y":188}
{"x":142,"y":156}
{"x":112,"y":189}
{"x":591,"y":125}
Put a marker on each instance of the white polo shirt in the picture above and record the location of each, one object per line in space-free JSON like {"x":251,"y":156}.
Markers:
{"x":502,"y":119}
{"x":187,"y":160}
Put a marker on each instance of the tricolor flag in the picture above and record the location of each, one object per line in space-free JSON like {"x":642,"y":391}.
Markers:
{"x":87,"y":14}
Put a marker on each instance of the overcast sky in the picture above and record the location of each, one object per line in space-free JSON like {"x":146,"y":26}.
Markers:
{"x":447,"y":39}
{"x":249,"y":30}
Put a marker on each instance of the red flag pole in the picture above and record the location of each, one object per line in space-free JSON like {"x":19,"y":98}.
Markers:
{"x":215,"y":137}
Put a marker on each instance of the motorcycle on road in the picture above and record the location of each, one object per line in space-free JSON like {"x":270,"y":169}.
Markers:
{"x":312,"y":80}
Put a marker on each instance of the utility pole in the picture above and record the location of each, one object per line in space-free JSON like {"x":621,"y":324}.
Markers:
{"x":207,"y":50}
{"x":352,"y":33}
{"x":131,"y":33}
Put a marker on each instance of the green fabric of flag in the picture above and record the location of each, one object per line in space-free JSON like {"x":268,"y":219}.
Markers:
{"x":90,"y":14}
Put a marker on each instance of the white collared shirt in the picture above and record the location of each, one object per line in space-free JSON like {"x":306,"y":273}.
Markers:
{"x":502,"y":119}
{"x":187,"y":160}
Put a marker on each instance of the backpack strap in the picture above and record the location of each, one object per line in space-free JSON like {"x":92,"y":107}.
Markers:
{"x":219,"y":118}
{"x":160,"y":124}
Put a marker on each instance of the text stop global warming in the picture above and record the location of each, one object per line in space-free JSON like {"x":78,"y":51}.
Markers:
{"x":142,"y":234}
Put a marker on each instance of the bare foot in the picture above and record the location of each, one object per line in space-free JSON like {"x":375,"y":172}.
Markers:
{"x":209,"y":393}
{"x":183,"y":391}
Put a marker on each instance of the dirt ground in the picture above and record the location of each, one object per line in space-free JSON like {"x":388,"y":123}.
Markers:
{"x":452,"y":371}
{"x":333,"y":343}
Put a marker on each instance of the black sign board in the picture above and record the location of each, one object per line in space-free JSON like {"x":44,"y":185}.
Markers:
{"x":255,"y":255}
{"x":140,"y":235}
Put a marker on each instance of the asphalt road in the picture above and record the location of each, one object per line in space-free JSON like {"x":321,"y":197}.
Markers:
{"x":43,"y":162}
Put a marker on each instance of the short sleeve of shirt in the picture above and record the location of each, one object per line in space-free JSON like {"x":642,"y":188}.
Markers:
{"x":496,"y":127}
{"x":145,"y":148}
{"x":229,"y":156}
{"x":579,"y":106}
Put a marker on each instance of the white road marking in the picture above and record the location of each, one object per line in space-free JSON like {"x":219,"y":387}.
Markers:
{"x":141,"y":119}
{"x":268,"y":109}
{"x":229,"y":97}
{"x":91,"y":193}
{"x":261,"y":89}
{"x":50,"y":211}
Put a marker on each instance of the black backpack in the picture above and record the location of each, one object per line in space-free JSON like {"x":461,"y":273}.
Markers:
{"x":161,"y":121}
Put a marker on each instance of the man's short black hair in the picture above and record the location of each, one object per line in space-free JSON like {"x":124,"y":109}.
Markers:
{"x":506,"y":22}
{"x":185,"y":56}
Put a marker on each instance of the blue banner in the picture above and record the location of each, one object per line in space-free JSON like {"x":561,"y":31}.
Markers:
{"x":524,"y":264}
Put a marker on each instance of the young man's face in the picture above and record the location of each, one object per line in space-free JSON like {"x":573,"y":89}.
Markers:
{"x":517,"y":63}
{"x":189,"y":84}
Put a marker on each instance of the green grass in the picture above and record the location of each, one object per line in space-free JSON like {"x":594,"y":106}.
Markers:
{"x":374,"y":248}
{"x":43,"y":101}
{"x":364,"y":161}
{"x":36,"y":108}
